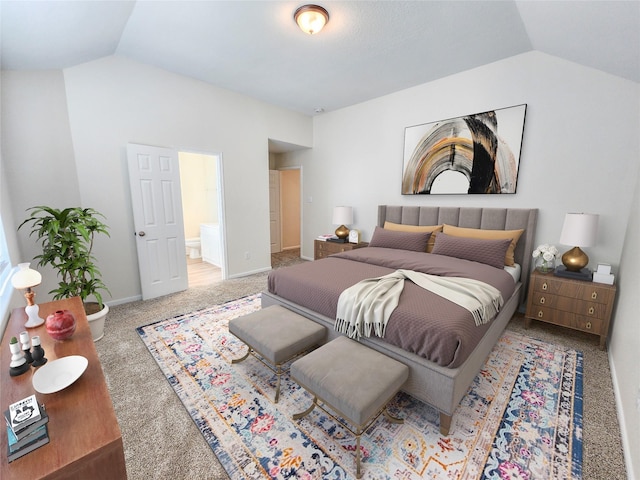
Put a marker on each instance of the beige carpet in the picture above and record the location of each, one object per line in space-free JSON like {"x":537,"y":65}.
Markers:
{"x":161,"y":441}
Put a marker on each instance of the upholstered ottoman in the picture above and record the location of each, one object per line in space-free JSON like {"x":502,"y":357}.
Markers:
{"x":277,"y":335}
{"x":355,"y":381}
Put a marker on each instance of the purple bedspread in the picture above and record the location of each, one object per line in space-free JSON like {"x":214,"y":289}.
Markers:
{"x":423,"y":323}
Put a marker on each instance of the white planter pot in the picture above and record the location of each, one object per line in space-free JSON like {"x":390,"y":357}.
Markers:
{"x":96,"y":323}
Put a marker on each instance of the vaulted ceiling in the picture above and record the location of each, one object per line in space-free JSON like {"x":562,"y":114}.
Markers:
{"x":368,"y":48}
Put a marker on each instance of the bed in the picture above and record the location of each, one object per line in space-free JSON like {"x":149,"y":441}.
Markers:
{"x":441,"y":369}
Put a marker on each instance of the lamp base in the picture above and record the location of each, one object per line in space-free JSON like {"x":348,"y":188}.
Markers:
{"x":342,"y":232}
{"x":584,"y":274}
{"x":33,"y":319}
{"x":575,"y":259}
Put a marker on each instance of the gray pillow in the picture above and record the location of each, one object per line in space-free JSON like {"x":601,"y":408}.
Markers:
{"x":490,"y":252}
{"x":414,"y":241}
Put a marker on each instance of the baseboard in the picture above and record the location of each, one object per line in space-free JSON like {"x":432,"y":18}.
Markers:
{"x":626,"y":447}
{"x":120,"y":301}
{"x":251,"y":272}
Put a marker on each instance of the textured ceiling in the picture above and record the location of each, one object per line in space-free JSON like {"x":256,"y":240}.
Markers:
{"x":368,"y":48}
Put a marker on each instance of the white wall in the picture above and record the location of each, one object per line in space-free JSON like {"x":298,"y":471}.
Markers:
{"x":114,"y":101}
{"x":37,"y":155}
{"x":624,"y":346}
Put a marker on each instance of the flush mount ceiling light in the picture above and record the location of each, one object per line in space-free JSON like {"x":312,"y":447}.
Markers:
{"x":311,"y":18}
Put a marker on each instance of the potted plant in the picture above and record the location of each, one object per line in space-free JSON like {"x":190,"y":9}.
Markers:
{"x":66,"y":237}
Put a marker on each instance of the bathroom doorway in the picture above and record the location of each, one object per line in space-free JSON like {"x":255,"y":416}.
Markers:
{"x":201,"y":185}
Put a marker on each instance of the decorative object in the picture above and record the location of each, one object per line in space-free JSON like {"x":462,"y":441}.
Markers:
{"x":523,"y":413}
{"x":354,"y":236}
{"x":67,"y":237}
{"x":26,"y":279}
{"x":545,"y":256}
{"x":18,"y":364}
{"x":478,"y":153}
{"x":26,"y":346}
{"x":579,"y":229}
{"x":59,"y":374}
{"x":38,"y":352}
{"x":61,"y":324}
{"x":342,"y":216}
{"x":311,"y":18}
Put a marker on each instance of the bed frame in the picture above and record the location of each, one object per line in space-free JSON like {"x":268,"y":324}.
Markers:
{"x":439,"y":386}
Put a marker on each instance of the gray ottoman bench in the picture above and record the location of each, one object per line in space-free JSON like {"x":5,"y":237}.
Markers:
{"x":277,"y":335}
{"x":355,"y":381}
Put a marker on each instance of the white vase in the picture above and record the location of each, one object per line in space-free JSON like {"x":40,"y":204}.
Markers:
{"x":96,"y":323}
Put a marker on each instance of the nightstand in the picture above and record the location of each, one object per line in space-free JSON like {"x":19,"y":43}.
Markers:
{"x":324,"y":249}
{"x":575,"y":304}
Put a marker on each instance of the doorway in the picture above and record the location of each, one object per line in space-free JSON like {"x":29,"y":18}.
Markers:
{"x":285,"y":213}
{"x":201,"y":187}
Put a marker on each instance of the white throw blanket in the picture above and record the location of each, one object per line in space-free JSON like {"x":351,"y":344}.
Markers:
{"x":369,"y":303}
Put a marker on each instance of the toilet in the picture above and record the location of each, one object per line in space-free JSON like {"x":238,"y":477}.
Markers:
{"x":193,"y":247}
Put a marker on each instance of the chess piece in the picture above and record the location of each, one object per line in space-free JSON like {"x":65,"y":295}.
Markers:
{"x":26,"y":346}
{"x":18,"y":363}
{"x":38,"y":352}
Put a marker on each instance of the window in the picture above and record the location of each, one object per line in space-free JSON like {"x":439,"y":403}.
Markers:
{"x":5,"y":274}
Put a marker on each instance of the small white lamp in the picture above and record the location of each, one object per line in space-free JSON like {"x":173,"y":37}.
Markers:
{"x":26,"y":279}
{"x":342,"y":216}
{"x":579,"y":229}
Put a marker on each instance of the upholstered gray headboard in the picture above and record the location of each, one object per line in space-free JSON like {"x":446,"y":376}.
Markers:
{"x":473,"y":217}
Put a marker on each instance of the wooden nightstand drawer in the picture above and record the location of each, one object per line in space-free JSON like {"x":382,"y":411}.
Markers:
{"x":551,"y":315}
{"x":591,"y":325}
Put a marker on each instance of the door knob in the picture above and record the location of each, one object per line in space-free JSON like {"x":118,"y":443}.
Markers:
{"x":141,"y":234}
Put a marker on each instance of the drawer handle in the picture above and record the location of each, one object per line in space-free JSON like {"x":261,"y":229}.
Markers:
{"x":540,"y":314}
{"x":594,"y":295}
{"x":542,"y":300}
{"x":588,"y":325}
{"x":545,"y":286}
{"x":591,"y":310}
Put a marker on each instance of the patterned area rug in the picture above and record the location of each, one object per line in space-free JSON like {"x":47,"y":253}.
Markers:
{"x":521,"y":419}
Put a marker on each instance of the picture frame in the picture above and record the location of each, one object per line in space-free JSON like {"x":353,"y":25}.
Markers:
{"x":473,"y":154}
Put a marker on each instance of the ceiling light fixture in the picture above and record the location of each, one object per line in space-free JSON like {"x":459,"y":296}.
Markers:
{"x":311,"y":18}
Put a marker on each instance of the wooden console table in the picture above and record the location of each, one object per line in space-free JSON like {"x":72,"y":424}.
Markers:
{"x":85,"y":439}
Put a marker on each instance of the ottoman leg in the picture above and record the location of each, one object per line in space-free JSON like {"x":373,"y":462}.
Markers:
{"x":279,"y":375}
{"x":238,"y":360}
{"x":298,"y":416}
{"x":358,"y":469}
{"x":391,"y":418}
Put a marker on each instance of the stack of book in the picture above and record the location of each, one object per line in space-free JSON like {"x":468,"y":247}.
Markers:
{"x":26,"y":427}
{"x":326,"y":236}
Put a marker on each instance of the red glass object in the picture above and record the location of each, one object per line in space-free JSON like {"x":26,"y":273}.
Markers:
{"x":61,"y":324}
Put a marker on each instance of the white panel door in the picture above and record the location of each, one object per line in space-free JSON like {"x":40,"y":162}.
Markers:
{"x":274,"y":210}
{"x":154,"y":178}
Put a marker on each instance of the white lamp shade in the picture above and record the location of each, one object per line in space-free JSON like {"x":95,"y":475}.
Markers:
{"x":342,"y":215}
{"x":25,"y":277}
{"x":579,"y":229}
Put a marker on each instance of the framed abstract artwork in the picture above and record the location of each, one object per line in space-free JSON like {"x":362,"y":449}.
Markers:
{"x":477,"y":153}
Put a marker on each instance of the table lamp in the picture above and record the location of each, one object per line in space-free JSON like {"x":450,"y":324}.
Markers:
{"x":342,"y":216}
{"x":26,"y":279}
{"x":579,"y":229}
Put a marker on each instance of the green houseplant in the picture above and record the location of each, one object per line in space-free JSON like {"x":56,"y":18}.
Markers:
{"x":67,"y":238}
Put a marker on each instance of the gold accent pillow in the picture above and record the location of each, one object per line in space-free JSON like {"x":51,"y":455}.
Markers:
{"x":513,"y":235}
{"x":433,"y":229}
